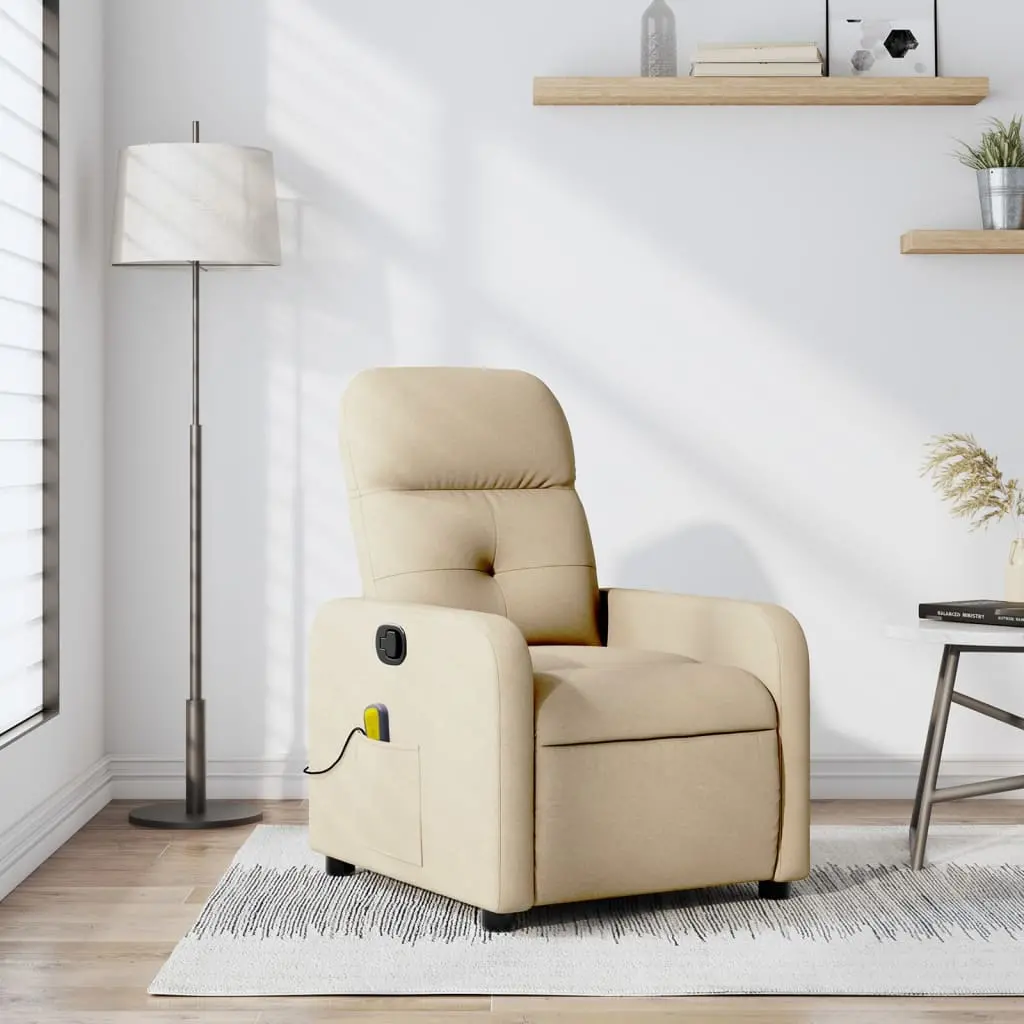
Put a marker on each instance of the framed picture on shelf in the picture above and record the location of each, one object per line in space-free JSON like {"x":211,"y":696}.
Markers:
{"x":882,"y":38}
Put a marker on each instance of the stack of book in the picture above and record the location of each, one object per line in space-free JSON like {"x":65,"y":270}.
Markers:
{"x":758,"y":60}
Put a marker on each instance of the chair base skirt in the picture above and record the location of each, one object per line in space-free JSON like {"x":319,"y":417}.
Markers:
{"x":608,"y":825}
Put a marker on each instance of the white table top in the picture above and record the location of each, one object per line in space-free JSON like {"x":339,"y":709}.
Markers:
{"x":957,"y":634}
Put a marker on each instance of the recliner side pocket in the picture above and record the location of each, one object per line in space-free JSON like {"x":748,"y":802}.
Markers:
{"x":382,"y":793}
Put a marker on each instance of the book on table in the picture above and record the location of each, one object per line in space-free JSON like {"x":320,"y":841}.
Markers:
{"x":977,"y":613}
{"x":755,"y":70}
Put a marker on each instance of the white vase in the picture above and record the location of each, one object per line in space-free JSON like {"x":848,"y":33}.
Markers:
{"x":1015,"y":571}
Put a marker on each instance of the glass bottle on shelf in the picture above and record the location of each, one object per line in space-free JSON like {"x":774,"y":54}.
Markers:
{"x":659,"y":57}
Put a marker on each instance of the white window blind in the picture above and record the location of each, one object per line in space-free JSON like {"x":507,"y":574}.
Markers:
{"x":22,"y":352}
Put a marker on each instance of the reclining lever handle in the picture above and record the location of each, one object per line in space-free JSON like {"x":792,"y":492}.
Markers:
{"x":391,"y":644}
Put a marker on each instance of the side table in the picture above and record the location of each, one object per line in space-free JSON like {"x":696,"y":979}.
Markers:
{"x":956,"y":639}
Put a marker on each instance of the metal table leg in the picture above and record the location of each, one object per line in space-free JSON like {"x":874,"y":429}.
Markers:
{"x":926,"y":783}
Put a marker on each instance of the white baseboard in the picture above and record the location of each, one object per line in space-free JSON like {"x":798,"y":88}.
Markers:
{"x":242,"y":778}
{"x":832,"y":778}
{"x":32,"y":839}
{"x":895,"y":778}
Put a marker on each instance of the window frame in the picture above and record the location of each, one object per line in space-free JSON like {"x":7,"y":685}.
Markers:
{"x":51,"y":377}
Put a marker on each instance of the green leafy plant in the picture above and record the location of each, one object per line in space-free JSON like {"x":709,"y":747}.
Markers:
{"x":969,"y":477}
{"x":1000,"y":146}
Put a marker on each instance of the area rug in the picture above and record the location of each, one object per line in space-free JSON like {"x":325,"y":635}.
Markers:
{"x":862,"y":924}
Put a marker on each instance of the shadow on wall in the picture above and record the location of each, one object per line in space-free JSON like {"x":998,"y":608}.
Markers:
{"x":708,"y":558}
{"x":713,"y":560}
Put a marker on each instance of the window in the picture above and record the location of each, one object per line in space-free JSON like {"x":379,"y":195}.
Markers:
{"x":28,"y":362}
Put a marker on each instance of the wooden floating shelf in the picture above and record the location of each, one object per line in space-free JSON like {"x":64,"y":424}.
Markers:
{"x":962,"y":243}
{"x":727,"y":92}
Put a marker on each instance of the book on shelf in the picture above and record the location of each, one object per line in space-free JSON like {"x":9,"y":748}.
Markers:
{"x":755,"y":70}
{"x":758,"y":53}
{"x":979,"y":613}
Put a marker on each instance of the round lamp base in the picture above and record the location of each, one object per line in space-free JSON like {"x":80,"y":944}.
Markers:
{"x":218,"y":814}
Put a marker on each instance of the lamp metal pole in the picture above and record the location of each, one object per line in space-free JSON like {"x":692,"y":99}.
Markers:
{"x":196,"y":812}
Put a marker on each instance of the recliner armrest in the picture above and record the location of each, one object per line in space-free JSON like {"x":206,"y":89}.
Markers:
{"x":462,"y":699}
{"x":763,"y":639}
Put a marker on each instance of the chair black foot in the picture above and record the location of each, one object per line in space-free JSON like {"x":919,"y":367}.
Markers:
{"x":774,"y":890}
{"x":491,"y":922}
{"x":339,"y":868}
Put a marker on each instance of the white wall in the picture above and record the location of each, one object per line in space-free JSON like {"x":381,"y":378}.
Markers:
{"x":716,"y":295}
{"x":56,"y":777}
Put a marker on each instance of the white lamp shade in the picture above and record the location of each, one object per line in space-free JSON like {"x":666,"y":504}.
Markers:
{"x":196,"y":202}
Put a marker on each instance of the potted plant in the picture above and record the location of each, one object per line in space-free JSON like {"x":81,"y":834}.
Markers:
{"x":968,"y":477}
{"x":999,"y":160}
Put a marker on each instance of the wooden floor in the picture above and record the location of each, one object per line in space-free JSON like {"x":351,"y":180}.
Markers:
{"x":81,"y":939}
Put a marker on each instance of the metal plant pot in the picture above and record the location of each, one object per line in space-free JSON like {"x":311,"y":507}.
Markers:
{"x":1002,"y":198}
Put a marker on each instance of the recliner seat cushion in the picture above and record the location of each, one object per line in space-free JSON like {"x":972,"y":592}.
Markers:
{"x":601,"y":694}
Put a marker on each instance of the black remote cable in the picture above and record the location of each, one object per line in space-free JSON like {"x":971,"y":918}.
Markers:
{"x":309,"y":771}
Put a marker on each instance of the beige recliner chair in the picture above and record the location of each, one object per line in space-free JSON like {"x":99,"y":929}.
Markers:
{"x":549,"y":741}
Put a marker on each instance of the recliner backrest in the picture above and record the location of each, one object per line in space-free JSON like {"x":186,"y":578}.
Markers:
{"x":462,"y":493}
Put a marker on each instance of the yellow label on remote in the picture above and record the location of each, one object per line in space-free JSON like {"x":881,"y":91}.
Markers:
{"x":371,"y":722}
{"x":375,"y":722}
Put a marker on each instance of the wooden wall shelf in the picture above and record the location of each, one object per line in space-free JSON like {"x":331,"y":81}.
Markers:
{"x":799,"y":92}
{"x":962,"y":243}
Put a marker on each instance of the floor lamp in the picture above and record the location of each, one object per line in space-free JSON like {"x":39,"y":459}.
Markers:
{"x":196,"y":205}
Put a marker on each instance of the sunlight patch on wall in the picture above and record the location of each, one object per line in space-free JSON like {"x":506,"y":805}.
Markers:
{"x":284,"y":563}
{"x":364,"y":123}
{"x":306,"y":512}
